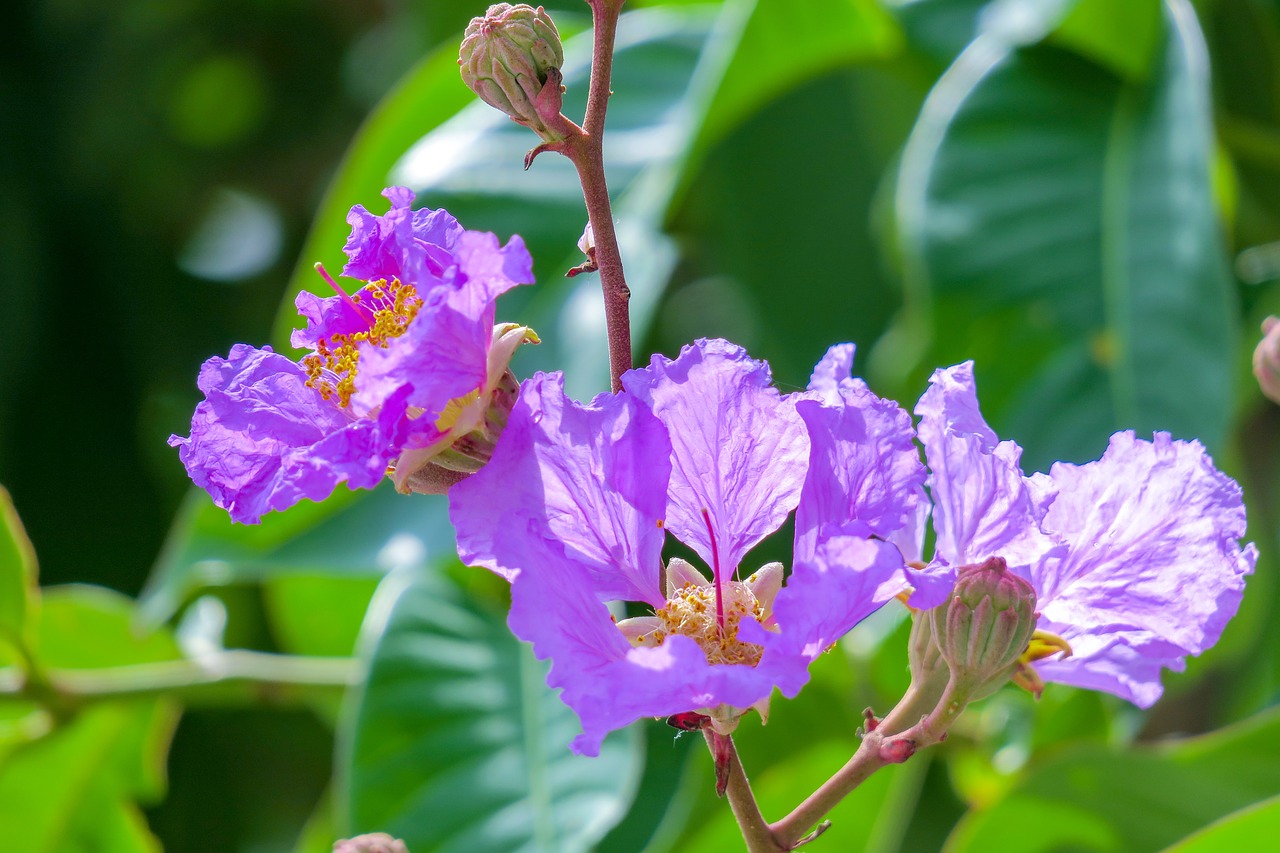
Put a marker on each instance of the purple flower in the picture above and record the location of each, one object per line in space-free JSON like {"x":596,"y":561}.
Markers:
{"x":576,"y":503}
{"x":1135,"y":558}
{"x":400,"y":373}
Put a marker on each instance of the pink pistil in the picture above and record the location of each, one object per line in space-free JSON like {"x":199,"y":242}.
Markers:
{"x":346,"y":297}
{"x":715,"y":569}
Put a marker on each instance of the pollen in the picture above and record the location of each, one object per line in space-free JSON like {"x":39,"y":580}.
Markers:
{"x":692,"y":611}
{"x":390,"y":307}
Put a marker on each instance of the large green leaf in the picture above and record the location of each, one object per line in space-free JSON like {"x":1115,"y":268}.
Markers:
{"x":1099,"y":799}
{"x":763,"y":48}
{"x":1238,"y":831}
{"x":17,"y":571}
{"x":76,"y":788}
{"x":351,"y":534}
{"x":1062,"y":221}
{"x":456,"y":744}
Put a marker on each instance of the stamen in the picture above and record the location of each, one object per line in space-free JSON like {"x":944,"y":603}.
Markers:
{"x":715,"y":570}
{"x":337,"y":357}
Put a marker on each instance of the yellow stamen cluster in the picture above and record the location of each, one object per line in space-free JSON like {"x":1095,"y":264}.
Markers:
{"x":692,"y":611}
{"x":339,"y":355}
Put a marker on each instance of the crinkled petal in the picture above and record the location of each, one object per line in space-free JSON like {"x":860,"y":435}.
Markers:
{"x":739,"y":450}
{"x":1154,"y":563}
{"x":606,"y":681}
{"x":864,"y":475}
{"x":325,"y":318}
{"x":586,"y":484}
{"x":444,"y":353}
{"x":833,"y":371}
{"x":982,"y":505}
{"x":491,"y":269}
{"x":262,"y":440}
{"x":414,"y":247}
{"x":847,"y":579}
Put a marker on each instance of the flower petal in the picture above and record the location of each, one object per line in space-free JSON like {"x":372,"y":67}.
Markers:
{"x":606,"y":681}
{"x":262,"y":440}
{"x":848,"y":579}
{"x":865,"y":476}
{"x":982,"y":505}
{"x":739,"y":450}
{"x":571,"y":483}
{"x":413,"y":246}
{"x":1154,"y":563}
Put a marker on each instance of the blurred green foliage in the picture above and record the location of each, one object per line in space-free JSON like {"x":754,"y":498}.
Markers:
{"x":1084,"y":197}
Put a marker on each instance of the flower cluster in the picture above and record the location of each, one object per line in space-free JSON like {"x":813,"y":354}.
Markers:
{"x":576,"y":503}
{"x":1098,"y":575}
{"x":399,"y":374}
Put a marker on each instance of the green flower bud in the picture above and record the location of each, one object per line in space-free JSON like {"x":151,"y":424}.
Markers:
{"x":984,"y":627}
{"x":509,"y":57}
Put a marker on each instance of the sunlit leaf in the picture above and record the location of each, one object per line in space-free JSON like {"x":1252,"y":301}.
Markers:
{"x":456,"y":744}
{"x":77,"y":787}
{"x":1062,"y":221}
{"x":17,"y":570}
{"x":1099,"y":799}
{"x":1237,"y":831}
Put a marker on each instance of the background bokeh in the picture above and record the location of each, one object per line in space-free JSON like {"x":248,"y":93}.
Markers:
{"x":164,"y":163}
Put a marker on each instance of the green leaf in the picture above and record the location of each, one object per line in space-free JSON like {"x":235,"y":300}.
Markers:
{"x":1121,"y":36}
{"x":89,"y":627}
{"x":1100,"y":799}
{"x":763,"y":48}
{"x":350,"y":534}
{"x":1237,"y":831}
{"x":1062,"y":221}
{"x":17,"y":571}
{"x":456,"y":744}
{"x":72,"y":791}
{"x":317,"y":614}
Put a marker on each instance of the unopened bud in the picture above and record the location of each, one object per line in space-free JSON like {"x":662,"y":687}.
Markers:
{"x":1266,"y":359}
{"x":985,"y":625}
{"x":374,"y":842}
{"x":509,"y":57}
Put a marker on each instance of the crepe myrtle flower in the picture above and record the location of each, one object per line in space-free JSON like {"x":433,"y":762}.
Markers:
{"x":409,"y":373}
{"x":1135,"y":559}
{"x":578,"y":499}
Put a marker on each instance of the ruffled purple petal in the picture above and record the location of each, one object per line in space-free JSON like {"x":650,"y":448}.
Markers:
{"x":865,"y":476}
{"x":1154,"y":570}
{"x":847,"y":579}
{"x":833,"y":370}
{"x":262,"y":440}
{"x":490,"y":269}
{"x":739,"y":450}
{"x":607,"y":682}
{"x":415,"y":247}
{"x":583,"y":484}
{"x":982,"y":505}
{"x":325,"y":318}
{"x":442,"y":355}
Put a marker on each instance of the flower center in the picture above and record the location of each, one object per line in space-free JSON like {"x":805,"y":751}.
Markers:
{"x":692,"y":611}
{"x":391,"y":307}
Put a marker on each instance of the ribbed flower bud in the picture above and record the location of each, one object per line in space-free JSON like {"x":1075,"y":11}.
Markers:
{"x":509,"y":57}
{"x":985,"y":625}
{"x":1266,"y":359}
{"x":374,"y":842}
